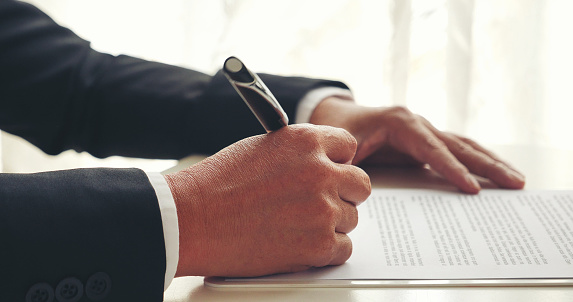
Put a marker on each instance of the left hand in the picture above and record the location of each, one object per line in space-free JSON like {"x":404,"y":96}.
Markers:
{"x":396,"y":136}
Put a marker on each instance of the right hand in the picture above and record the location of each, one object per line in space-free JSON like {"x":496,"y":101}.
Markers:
{"x":273,"y":203}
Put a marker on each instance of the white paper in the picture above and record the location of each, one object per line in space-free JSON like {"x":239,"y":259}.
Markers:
{"x":427,"y":234}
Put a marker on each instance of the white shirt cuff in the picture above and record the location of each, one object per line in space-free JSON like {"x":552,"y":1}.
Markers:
{"x":314,"y":97}
{"x":170,"y":224}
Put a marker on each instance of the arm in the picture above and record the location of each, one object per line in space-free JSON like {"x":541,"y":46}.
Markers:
{"x":238,"y":216}
{"x":60,"y":94}
{"x":74,"y":224}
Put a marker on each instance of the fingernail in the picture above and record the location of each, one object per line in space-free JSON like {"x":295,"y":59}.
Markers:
{"x":473,"y":182}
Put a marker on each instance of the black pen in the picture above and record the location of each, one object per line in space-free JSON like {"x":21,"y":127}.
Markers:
{"x":255,"y":94}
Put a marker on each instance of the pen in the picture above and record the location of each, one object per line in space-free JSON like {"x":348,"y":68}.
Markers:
{"x":255,"y":94}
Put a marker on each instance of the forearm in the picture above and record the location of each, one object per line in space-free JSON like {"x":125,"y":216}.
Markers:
{"x":76,"y":223}
{"x":60,"y":94}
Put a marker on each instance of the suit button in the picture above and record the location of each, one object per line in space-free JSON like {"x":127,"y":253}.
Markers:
{"x":69,"y":290}
{"x":40,"y":292}
{"x":98,"y":286}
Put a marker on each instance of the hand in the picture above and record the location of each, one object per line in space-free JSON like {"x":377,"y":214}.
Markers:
{"x":396,"y":136}
{"x":279,"y":202}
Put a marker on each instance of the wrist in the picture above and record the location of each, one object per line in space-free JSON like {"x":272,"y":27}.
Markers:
{"x":327,"y":112}
{"x":368,"y":125}
{"x":186,"y":197}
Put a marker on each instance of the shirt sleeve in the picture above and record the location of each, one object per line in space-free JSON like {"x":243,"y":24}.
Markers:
{"x":309,"y":102}
{"x":170,"y":224}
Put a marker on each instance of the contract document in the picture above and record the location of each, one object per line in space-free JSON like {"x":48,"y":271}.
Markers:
{"x":410,"y":234}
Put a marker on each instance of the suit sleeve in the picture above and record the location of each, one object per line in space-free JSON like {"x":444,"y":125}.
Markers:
{"x":98,"y":231}
{"x":59,"y":94}
{"x":95,"y":233}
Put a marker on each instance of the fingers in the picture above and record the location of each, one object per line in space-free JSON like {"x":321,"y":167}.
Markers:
{"x":338,"y":144}
{"x":343,"y":249}
{"x":488,"y":153}
{"x":347,"y":219}
{"x":347,"y":186}
{"x":424,"y":146}
{"x":455,"y":157}
{"x":479,"y":160}
{"x":335,"y":247}
{"x":354,"y":185}
{"x":333,"y":250}
{"x":484,"y":164}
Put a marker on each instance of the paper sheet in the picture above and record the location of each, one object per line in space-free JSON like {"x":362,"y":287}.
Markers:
{"x":426,"y":234}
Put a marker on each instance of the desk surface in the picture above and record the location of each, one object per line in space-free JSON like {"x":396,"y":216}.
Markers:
{"x":544,"y":169}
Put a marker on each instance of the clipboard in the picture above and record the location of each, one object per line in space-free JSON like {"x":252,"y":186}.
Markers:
{"x":234,"y":283}
{"x":424,"y":238}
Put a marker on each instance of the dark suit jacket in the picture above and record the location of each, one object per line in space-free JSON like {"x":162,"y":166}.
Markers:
{"x":96,"y":234}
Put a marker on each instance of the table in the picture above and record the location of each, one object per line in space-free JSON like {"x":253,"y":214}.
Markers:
{"x":545,"y":168}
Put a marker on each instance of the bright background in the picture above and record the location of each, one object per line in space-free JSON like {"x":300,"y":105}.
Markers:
{"x":498,"y":71}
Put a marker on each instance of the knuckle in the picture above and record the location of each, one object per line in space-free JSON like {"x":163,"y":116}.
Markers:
{"x":353,"y":218}
{"x":327,"y":213}
{"x":433,"y":144}
{"x":366,"y":181}
{"x":304,"y":130}
{"x":462,"y":147}
{"x":351,"y":141}
{"x":401,"y":111}
{"x":305,"y":135}
{"x":433,"y":148}
{"x":325,"y":250}
{"x":468,"y":141}
{"x":347,"y":247}
{"x":423,"y":121}
{"x":363,"y":183}
{"x":324,"y":171}
{"x":316,"y":177}
{"x":403,"y":115}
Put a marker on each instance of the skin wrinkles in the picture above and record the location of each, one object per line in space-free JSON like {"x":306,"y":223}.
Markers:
{"x":285,"y":201}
